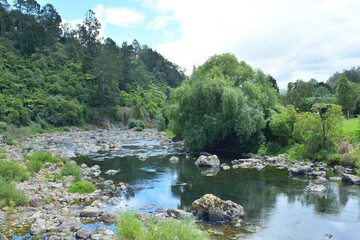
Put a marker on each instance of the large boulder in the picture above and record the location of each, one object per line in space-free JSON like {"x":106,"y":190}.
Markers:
{"x":351,"y":179}
{"x":212,"y":208}
{"x":38,"y":227}
{"x":316,"y":189}
{"x":299,"y":170}
{"x":208,"y":161}
{"x":91,"y":212}
{"x":72,"y":224}
{"x":84,"y":233}
{"x":108,"y":217}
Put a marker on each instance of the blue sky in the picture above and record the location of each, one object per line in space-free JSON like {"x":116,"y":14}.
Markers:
{"x":297,"y":39}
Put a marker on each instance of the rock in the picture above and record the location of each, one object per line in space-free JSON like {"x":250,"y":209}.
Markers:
{"x":174,"y":159}
{"x":210,"y":207}
{"x":111,"y":172}
{"x":47,"y":165}
{"x":225,"y":168}
{"x":335,"y":178}
{"x":148,"y":206}
{"x":38,"y":227}
{"x":114,"y":201}
{"x":142,"y":157}
{"x":319,"y":174}
{"x":94,"y":170}
{"x":100,"y":237}
{"x":64,"y":211}
{"x":209,"y":171}
{"x":321,"y":180}
{"x":2,"y":237}
{"x":91,"y":212}
{"x":351,"y":179}
{"x":160,"y":210}
{"x":316,"y":189}
{"x":107,"y":183}
{"x":36,"y":202}
{"x":208,"y":161}
{"x":339,"y":169}
{"x":108,"y":217}
{"x":178,"y":213}
{"x":299,"y":170}
{"x":11,"y":217}
{"x":83,"y":233}
{"x":71,"y":224}
{"x":60,"y":164}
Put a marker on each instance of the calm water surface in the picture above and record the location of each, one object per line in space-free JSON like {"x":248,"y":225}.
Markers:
{"x":275,"y":205}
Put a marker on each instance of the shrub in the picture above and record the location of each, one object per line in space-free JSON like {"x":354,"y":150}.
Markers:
{"x":71,"y":169}
{"x":34,"y":166}
{"x":161,"y":123}
{"x":129,"y":226}
{"x":133,"y":123}
{"x":3,"y":126}
{"x":9,"y":195}
{"x":37,"y":160}
{"x":82,"y":187}
{"x":48,"y":199}
{"x":139,"y":129}
{"x":12,"y":171}
{"x":117,"y":114}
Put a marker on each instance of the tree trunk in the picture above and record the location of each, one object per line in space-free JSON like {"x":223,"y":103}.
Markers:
{"x":347,"y":114}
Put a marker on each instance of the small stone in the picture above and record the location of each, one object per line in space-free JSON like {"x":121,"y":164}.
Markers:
{"x":142,"y":157}
{"x":111,"y":172}
{"x":174,"y":159}
{"x":11,"y":217}
{"x":60,"y":164}
{"x":148,"y":206}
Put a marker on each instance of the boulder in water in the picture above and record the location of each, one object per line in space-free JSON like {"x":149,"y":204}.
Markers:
{"x":208,"y":161}
{"x":212,"y":208}
{"x":351,"y":179}
{"x":299,"y":170}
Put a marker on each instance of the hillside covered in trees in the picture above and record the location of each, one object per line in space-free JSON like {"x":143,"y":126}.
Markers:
{"x":52,"y":75}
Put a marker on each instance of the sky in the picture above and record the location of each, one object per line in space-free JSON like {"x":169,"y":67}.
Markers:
{"x":288,"y":39}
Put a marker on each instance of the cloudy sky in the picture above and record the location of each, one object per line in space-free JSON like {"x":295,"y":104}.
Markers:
{"x":289,"y":39}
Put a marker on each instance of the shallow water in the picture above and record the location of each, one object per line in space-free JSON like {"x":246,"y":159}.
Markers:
{"x":275,"y":205}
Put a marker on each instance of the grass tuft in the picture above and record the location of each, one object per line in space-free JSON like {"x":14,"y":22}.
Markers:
{"x":71,"y":169}
{"x":82,"y":187}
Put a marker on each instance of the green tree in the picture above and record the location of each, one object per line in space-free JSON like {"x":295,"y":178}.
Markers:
{"x":343,"y":94}
{"x":50,"y":20}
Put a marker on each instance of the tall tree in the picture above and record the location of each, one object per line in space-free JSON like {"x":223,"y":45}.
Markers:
{"x":51,"y":20}
{"x":343,"y":94}
{"x":88,"y":32}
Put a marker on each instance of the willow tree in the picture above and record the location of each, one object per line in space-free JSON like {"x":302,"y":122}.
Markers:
{"x":224,"y":103}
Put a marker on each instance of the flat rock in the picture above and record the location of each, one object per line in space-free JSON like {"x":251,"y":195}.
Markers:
{"x":111,"y":172}
{"x":299,"y":170}
{"x":108,"y":217}
{"x":316,"y":188}
{"x":148,"y":206}
{"x":210,"y":207}
{"x":83,"y":233}
{"x":351,"y":179}
{"x":91,"y":212}
{"x":208,"y":161}
{"x":178,"y":213}
{"x":72,"y":224}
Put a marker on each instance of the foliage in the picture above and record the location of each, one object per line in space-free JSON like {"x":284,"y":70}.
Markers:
{"x":343,"y":91}
{"x":136,"y":123}
{"x":71,"y":169}
{"x":37,"y":160}
{"x":282,"y":125}
{"x":9,"y":195}
{"x":224,"y":102}
{"x":129,"y":226}
{"x":48,"y":199}
{"x":12,"y":171}
{"x":82,"y":187}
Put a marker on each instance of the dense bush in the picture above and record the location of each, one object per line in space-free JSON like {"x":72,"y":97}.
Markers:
{"x":12,"y":171}
{"x":82,"y":187}
{"x":129,"y":226}
{"x":37,"y":160}
{"x":9,"y":195}
{"x":136,"y":123}
{"x":71,"y":169}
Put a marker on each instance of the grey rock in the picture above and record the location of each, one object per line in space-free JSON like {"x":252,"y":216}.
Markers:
{"x":114,"y":201}
{"x":351,"y":179}
{"x":321,"y":180}
{"x":2,"y":237}
{"x":142,"y":157}
{"x":111,"y":172}
{"x":316,"y":189}
{"x":160,"y":210}
{"x":210,"y":207}
{"x":91,"y":212}
{"x":335,"y":178}
{"x":178,"y":213}
{"x":38,"y":227}
{"x":48,"y":165}
{"x":319,"y":174}
{"x":299,"y":170}
{"x":339,"y":169}
{"x":174,"y":159}
{"x":36,"y":202}
{"x":148,"y":206}
{"x":225,"y":168}
{"x":100,"y":237}
{"x":208,"y":161}
{"x":71,"y":224}
{"x":108,"y":217}
{"x":83,"y":233}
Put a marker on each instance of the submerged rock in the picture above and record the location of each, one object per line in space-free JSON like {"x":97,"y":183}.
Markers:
{"x":108,"y":217}
{"x":178,"y":213}
{"x":174,"y":159}
{"x":299,"y":170}
{"x":111,"y":172}
{"x":210,"y":207}
{"x":209,"y":171}
{"x":351,"y":179}
{"x":208,"y":161}
{"x":72,"y":224}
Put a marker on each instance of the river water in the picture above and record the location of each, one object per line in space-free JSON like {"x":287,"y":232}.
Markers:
{"x":276,"y":206}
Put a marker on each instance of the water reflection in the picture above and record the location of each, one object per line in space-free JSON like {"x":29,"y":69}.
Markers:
{"x":275,"y":205}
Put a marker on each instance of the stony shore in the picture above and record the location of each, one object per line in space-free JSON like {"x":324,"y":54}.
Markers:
{"x":54,"y":212}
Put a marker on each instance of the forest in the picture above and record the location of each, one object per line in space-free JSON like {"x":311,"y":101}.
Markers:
{"x":54,"y":76}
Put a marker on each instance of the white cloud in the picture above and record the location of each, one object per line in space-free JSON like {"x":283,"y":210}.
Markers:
{"x":290,"y":40}
{"x":160,"y":22}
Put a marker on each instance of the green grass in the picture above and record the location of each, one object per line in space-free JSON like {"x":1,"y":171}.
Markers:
{"x":350,"y":126}
{"x":71,"y":169}
{"x":82,"y":187}
{"x":129,"y":226}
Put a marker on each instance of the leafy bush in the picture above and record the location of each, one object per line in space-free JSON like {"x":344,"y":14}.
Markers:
{"x":48,"y":199}
{"x":9,"y":195}
{"x":12,"y":171}
{"x":71,"y":169}
{"x":3,"y":126}
{"x":161,"y":123}
{"x":129,"y":226}
{"x":117,"y":114}
{"x":37,"y":160}
{"x":133,"y":123}
{"x":139,"y":129}
{"x":82,"y":187}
